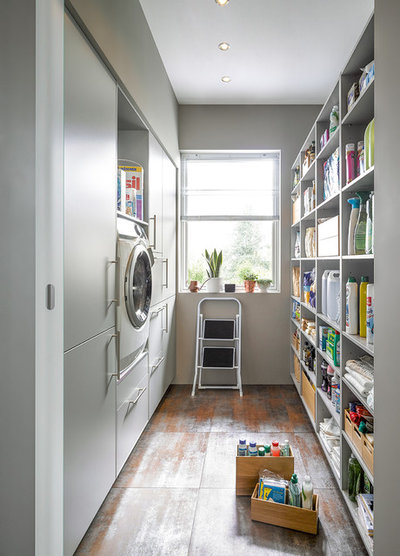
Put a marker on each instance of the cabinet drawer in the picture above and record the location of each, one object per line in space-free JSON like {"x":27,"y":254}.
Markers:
{"x":132,"y":417}
{"x":158,"y":383}
{"x":128,"y":382}
{"x":158,"y":328}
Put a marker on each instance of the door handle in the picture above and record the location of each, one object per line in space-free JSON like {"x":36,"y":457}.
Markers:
{"x":118,"y":373}
{"x":166,"y":328}
{"x":154,"y":218}
{"x":141,"y":391}
{"x":155,"y":367}
{"x":165,"y":261}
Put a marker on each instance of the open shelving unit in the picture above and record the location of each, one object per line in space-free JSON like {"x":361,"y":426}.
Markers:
{"x":351,"y":128}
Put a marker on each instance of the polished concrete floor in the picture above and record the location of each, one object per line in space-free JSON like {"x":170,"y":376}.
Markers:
{"x":176,"y":494}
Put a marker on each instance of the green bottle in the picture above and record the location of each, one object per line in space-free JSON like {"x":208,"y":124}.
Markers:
{"x":369,"y":239}
{"x":361,"y":226}
{"x":355,"y":475}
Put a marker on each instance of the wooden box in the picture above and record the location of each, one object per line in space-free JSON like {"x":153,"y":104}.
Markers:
{"x":249,"y":467}
{"x":308,"y":394}
{"x":284,"y":515}
{"x":358,"y":439}
{"x":328,"y":237}
{"x":297,"y":368}
{"x":348,"y":424}
{"x":368,"y":453}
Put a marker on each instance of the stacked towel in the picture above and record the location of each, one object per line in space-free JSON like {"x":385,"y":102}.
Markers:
{"x":361,"y":389}
{"x":360,"y":373}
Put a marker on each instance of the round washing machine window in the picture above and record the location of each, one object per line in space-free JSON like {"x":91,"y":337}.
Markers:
{"x":138,"y":286}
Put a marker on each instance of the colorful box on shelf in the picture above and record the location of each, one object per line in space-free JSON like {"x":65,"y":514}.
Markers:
{"x":328,"y":237}
{"x":249,"y":467}
{"x":308,"y":394}
{"x":284,"y":515}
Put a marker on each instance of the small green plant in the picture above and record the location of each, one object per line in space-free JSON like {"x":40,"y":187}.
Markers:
{"x":247,"y":273}
{"x":266,"y":282}
{"x":250,"y":276}
{"x":214,"y":262}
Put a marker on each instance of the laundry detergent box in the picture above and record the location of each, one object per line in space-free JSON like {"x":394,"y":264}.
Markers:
{"x":272,"y":490}
{"x":134,"y":189}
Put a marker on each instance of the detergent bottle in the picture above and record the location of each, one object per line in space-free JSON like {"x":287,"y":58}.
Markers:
{"x":355,"y":209}
{"x":363,"y":306}
{"x":360,"y":232}
{"x":351,"y":306}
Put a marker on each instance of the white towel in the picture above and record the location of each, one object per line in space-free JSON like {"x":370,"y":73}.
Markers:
{"x":356,"y":385}
{"x":364,"y":382}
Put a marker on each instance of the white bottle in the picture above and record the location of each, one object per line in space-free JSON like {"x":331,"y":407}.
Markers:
{"x":355,"y":204}
{"x":333,"y":296}
{"x":307,"y":493}
{"x":370,"y":313}
{"x":351,"y":306}
{"x":324,"y":306}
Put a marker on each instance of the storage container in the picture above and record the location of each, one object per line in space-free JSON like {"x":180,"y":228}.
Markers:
{"x":328,"y":237}
{"x":249,"y":467}
{"x":333,"y":296}
{"x":368,"y":454}
{"x":297,"y":368}
{"x":284,"y":515}
{"x":308,"y":394}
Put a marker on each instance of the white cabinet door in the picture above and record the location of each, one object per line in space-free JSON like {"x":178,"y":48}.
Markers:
{"x":169,"y":227}
{"x":90,"y":191}
{"x":132,"y":409}
{"x":155,"y":212}
{"x":169,"y":341}
{"x":89,"y":433}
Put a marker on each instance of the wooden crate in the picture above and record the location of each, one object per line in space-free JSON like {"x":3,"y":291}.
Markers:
{"x":348,"y":424}
{"x":284,"y":515}
{"x":368,"y":453}
{"x":358,"y":439}
{"x":308,"y":394}
{"x":249,"y":467}
{"x":297,"y":367}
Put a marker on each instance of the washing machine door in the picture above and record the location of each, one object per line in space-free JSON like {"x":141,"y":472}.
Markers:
{"x":138,"y":286}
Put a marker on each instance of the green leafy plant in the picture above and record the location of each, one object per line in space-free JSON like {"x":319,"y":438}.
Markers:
{"x":251,"y":277}
{"x":247,"y":273}
{"x":266,"y":282}
{"x":214,"y":262}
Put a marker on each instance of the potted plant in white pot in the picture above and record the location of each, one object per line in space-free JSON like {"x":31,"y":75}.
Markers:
{"x":214,"y":262}
{"x":264,"y":284}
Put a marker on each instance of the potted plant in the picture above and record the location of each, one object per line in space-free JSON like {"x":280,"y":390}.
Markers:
{"x":214,"y":262}
{"x":196,"y":276}
{"x":263,"y":284}
{"x":249,"y":278}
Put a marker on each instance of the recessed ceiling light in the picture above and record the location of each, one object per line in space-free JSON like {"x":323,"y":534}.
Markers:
{"x":224,"y":46}
{"x":226,"y":79}
{"x":222,"y":2}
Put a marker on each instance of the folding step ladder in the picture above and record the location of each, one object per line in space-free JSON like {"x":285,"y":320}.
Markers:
{"x":218,"y":344}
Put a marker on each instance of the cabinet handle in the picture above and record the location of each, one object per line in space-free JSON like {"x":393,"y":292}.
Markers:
{"x":141,"y":391}
{"x":157,"y":312}
{"x":155,"y":367}
{"x":154,"y":231}
{"x":166,"y":273}
{"x":117,"y":374}
{"x":166,"y":328}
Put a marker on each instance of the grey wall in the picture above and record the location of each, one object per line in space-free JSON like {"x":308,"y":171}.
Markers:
{"x":387,"y":272}
{"x":265,"y":345}
{"x":122,"y":33}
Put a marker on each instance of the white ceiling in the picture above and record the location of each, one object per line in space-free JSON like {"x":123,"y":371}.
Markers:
{"x":282,"y":51}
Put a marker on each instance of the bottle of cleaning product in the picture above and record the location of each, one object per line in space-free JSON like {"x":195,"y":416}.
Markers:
{"x":363,"y":306}
{"x":285,"y":450}
{"x":324,"y":306}
{"x":333,"y":296}
{"x":369,"y":144}
{"x":369,"y":237}
{"x":351,"y":306}
{"x":370,"y":313}
{"x":355,"y":478}
{"x":307,"y":491}
{"x":350,"y":162}
{"x":360,"y":233}
{"x":294,"y":492}
{"x":355,"y":209}
{"x":333,"y":120}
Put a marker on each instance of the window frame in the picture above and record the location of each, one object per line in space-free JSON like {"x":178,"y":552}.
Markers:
{"x":274,"y":154}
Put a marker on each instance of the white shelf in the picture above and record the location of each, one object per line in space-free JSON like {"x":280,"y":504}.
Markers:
{"x":308,"y":307}
{"x":131,"y":218}
{"x":295,"y":351}
{"x":330,"y":146}
{"x":329,"y":405}
{"x":353,"y":508}
{"x":362,"y":111}
{"x":325,"y":356}
{"x":360,"y":342}
{"x":296,"y":323}
{"x":364,"y":182}
{"x":297,"y":384}
{"x":308,"y":338}
{"x":357,"y":394}
{"x":359,"y":457}
{"x":311,"y":374}
{"x":328,"y":457}
{"x":310,"y":173}
{"x":330,"y":322}
{"x":358,"y":257}
{"x":295,"y":298}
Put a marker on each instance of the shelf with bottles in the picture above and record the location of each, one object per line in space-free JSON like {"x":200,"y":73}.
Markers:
{"x":308,"y":338}
{"x":363,"y":182}
{"x":326,"y":357}
{"x":328,"y":321}
{"x":362,"y":109}
{"x":130,"y":190}
{"x":356,"y":453}
{"x":329,"y":147}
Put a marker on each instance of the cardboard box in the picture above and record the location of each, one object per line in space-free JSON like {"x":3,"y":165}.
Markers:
{"x":328,"y":238}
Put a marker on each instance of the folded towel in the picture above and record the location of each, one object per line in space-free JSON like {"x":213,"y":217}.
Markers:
{"x":361,"y":366}
{"x":356,"y":385}
{"x":364,"y":382}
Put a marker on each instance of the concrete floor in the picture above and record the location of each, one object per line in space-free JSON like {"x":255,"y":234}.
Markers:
{"x":176,"y":493}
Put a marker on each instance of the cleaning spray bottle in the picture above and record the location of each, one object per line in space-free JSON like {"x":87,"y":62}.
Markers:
{"x":355,"y":209}
{"x":360,"y":232}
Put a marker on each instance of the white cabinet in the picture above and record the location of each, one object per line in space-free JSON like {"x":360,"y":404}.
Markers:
{"x":169,"y":227}
{"x":90,"y":191}
{"x":89,"y":433}
{"x":132,"y":409}
{"x":161,"y":351}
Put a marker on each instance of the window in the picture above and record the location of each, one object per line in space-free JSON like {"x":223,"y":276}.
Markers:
{"x":231,"y":202}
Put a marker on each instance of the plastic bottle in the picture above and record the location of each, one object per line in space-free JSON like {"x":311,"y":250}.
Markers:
{"x":333,"y":296}
{"x":369,"y":143}
{"x":333,"y":120}
{"x":355,"y":473}
{"x":360,"y":165}
{"x":338,"y":399}
{"x":261,"y":451}
{"x":285,"y":450}
{"x":275,"y":450}
{"x":324,"y":307}
{"x":252,"y":449}
{"x":242,"y":451}
{"x":363,"y":306}
{"x":330,"y":374}
{"x":369,"y":237}
{"x":355,"y":209}
{"x":350,"y":162}
{"x":370,"y":313}
{"x":307,"y":491}
{"x":359,"y":236}
{"x":294,"y":492}
{"x":351,"y":306}
{"x":334,"y":387}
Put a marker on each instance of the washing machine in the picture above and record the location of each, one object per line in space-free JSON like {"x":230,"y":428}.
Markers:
{"x":135,"y":261}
